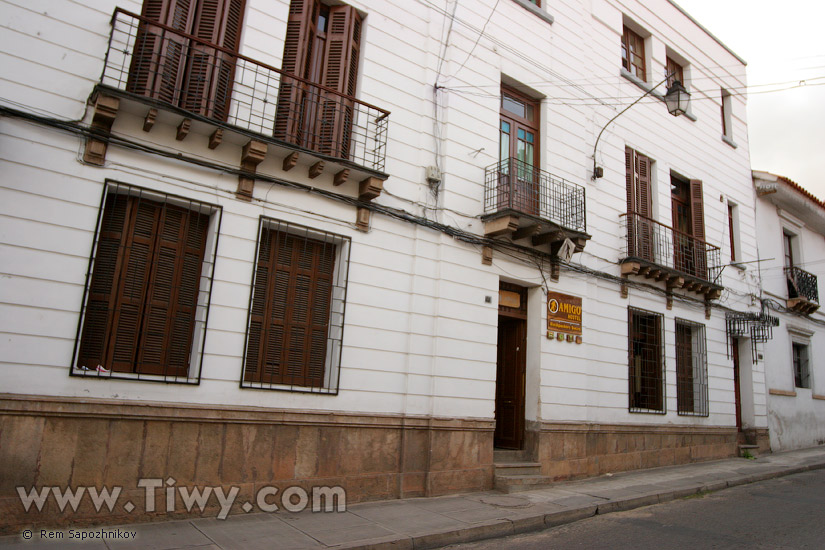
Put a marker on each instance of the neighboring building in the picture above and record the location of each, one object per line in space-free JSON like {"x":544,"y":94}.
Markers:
{"x":225,"y":262}
{"x":791,"y":234}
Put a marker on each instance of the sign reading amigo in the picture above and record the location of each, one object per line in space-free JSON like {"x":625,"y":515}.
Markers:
{"x":564,"y":313}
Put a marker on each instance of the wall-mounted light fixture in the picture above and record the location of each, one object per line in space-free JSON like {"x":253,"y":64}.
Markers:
{"x":677,"y":99}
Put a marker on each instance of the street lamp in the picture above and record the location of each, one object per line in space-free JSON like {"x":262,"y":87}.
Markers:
{"x":676,"y":98}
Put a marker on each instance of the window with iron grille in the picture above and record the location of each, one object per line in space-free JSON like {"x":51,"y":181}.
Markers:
{"x":633,"y":53}
{"x":147,"y":292}
{"x":691,"y":369}
{"x":296,"y":315}
{"x":646,"y":376}
{"x":801,"y":369}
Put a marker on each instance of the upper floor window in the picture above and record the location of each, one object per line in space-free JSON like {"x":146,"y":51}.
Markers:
{"x":194,"y":75}
{"x":633,"y":53}
{"x":727,"y":128}
{"x":788,"y":246}
{"x":148,"y":293}
{"x":674,"y":72}
{"x":733,"y":231}
{"x":519,"y":151}
{"x":322,"y":46}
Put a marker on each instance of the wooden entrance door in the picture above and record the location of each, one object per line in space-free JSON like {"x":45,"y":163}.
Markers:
{"x":736,"y":389}
{"x":510,"y":367}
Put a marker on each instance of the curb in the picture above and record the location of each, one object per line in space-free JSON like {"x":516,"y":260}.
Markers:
{"x":506,"y":527}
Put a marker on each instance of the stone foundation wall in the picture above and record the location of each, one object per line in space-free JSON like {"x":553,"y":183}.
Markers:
{"x":64,"y":442}
{"x":577,"y":450}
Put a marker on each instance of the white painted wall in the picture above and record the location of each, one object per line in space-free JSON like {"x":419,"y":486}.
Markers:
{"x":419,"y":336}
{"x":794,"y":421}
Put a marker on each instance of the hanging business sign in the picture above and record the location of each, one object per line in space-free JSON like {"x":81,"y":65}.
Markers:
{"x":564,"y":315}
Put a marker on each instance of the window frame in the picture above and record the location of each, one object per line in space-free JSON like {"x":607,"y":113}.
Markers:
{"x":635,"y":376}
{"x":336,"y":313}
{"x":800,"y":368}
{"x":726,"y":107}
{"x":671,"y":65}
{"x":733,"y":230}
{"x":628,"y":64}
{"x":204,"y":290}
{"x":698,"y":380}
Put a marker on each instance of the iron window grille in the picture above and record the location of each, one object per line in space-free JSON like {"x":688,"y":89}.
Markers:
{"x":691,"y":369}
{"x":801,"y":368}
{"x":748,"y":324}
{"x":296,"y":311}
{"x":147,"y":293}
{"x":646,"y":361}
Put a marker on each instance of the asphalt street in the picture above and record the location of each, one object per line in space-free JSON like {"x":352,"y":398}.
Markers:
{"x":787,"y":512}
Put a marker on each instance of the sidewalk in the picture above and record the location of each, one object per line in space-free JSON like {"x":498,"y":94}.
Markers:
{"x":434,"y":522}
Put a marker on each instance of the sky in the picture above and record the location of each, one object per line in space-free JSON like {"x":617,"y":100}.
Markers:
{"x":784,"y":45}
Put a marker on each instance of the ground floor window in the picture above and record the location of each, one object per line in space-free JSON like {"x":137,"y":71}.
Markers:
{"x":646,"y":361}
{"x":801,"y":369}
{"x":691,"y":369}
{"x":147,"y":292}
{"x":296,"y":316}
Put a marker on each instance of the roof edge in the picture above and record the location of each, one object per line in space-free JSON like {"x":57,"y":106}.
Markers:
{"x":698,"y":24}
{"x":767,"y":176}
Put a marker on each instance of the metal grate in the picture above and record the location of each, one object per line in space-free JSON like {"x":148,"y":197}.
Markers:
{"x":691,"y":369}
{"x":170,"y":67}
{"x":649,"y":240}
{"x":802,"y":284}
{"x":146,"y":299}
{"x":757,"y":326}
{"x":646,"y":376}
{"x":296,"y":314}
{"x":515,"y":185}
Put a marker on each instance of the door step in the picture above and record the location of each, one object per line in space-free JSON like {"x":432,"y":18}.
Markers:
{"x":514,"y":472}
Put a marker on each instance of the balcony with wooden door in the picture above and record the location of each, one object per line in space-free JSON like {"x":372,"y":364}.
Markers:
{"x":656,"y":251}
{"x":525,"y":202}
{"x":190,"y":76}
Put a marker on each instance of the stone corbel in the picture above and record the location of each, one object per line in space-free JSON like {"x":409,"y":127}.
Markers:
{"x":251,"y":156}
{"x":106,"y":108}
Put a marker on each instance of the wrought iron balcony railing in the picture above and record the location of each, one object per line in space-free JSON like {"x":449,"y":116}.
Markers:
{"x":513,"y":185}
{"x":153,"y":60}
{"x":802,"y":284}
{"x":661,"y":245}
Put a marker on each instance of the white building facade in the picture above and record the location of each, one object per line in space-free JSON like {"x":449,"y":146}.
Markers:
{"x":268,"y":242}
{"x":791,"y":246}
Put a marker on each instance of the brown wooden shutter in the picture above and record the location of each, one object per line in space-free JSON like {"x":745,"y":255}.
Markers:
{"x":296,"y":61}
{"x":340,"y":72}
{"x":143,"y":294}
{"x":289,"y":319}
{"x":158,"y":61}
{"x":210,"y":72}
{"x":639,"y":202}
{"x":697,"y":211}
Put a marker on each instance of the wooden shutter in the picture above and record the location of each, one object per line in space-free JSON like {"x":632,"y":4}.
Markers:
{"x":143,"y":295}
{"x":210,"y":72}
{"x":697,"y":212}
{"x":340,"y":73}
{"x":300,"y":34}
{"x":159,"y":60}
{"x":639,"y":204}
{"x":289,"y":319}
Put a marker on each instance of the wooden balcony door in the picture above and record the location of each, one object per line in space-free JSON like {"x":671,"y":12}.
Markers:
{"x":519,"y":144}
{"x":689,"y":255}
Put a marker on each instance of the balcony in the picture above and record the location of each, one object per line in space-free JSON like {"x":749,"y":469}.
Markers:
{"x":803,"y":291}
{"x":656,"y":251}
{"x":165,"y":75}
{"x":525,"y":202}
